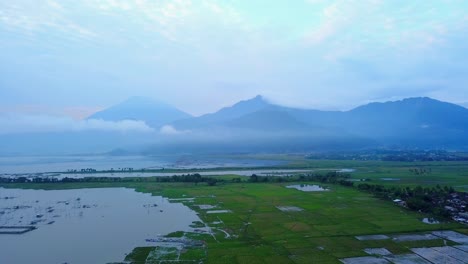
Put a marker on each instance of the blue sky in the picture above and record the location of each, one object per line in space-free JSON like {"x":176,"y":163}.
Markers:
{"x":74,"y":57}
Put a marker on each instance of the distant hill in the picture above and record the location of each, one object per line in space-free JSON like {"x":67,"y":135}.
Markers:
{"x":154,"y":113}
{"x":225,"y":114}
{"x":418,"y":120}
{"x":414,"y":122}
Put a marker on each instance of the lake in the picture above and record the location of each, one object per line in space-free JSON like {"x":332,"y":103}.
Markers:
{"x":85,"y":225}
{"x":40,"y":164}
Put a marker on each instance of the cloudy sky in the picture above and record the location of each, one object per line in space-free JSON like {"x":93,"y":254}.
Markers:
{"x":72,"y":57}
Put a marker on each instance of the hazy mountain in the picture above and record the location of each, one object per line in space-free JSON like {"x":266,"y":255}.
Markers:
{"x":415,"y":122}
{"x":419,"y":112}
{"x":256,"y":125}
{"x":258,"y":113}
{"x":225,"y":114}
{"x":154,"y":113}
{"x":268,"y":120}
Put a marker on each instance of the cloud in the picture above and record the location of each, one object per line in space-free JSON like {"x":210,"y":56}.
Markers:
{"x":170,"y":130}
{"x":331,"y":54}
{"x":33,"y":18}
{"x":17,"y":123}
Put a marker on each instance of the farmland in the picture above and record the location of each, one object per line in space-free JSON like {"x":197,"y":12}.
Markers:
{"x":251,"y":228}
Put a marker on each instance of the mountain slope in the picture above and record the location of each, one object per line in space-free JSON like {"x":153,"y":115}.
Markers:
{"x":268,"y":120}
{"x":414,"y":122}
{"x":154,"y":113}
{"x":225,"y":114}
{"x":419,"y":117}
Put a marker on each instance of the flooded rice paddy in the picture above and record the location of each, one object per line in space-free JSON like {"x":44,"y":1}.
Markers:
{"x":289,"y":208}
{"x":85,"y":225}
{"x":390,"y":179}
{"x":218,"y":211}
{"x":372,"y":237}
{"x":430,"y":221}
{"x":307,"y":188}
{"x":457,"y":254}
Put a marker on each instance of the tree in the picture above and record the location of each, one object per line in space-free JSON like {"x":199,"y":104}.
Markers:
{"x":253,"y":178}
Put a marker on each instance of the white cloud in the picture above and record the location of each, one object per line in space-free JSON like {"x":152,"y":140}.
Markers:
{"x":14,"y":123}
{"x":33,"y":17}
{"x":170,"y":130}
{"x":217,"y":52}
{"x":181,"y":21}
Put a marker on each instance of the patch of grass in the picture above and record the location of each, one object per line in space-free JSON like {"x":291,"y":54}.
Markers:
{"x":161,"y":254}
{"x":197,"y":224}
{"x":176,"y":234}
{"x":139,"y":255}
{"x":193,"y":254}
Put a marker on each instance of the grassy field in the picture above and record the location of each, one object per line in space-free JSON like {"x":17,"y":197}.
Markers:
{"x":261,"y":233}
{"x":450,"y":173}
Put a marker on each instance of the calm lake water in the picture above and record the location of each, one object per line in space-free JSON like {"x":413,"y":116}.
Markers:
{"x":22,"y":164}
{"x":85,"y":225}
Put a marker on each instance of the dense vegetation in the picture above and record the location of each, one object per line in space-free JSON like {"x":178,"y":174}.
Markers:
{"x":392,"y":155}
{"x":422,"y":199}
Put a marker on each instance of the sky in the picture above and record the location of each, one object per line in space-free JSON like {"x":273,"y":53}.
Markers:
{"x":72,"y":58}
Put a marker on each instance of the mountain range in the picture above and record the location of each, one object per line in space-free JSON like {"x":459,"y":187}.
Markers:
{"x":257,"y":125}
{"x":413,"y":122}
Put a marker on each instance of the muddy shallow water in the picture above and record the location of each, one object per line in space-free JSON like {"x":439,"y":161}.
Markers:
{"x":85,"y":225}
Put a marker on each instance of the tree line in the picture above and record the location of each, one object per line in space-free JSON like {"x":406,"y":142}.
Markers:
{"x":430,"y":200}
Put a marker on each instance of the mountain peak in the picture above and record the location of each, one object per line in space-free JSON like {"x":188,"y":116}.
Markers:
{"x":258,"y":100}
{"x":259,"y":97}
{"x":424,"y":99}
{"x":415,"y":102}
{"x":153,"y":112}
{"x":227,"y":113}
